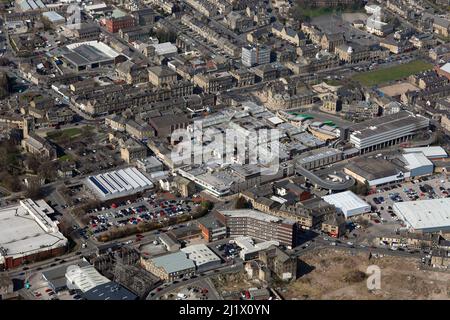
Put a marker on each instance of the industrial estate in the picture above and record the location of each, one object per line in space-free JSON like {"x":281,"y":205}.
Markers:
{"x":224,"y":150}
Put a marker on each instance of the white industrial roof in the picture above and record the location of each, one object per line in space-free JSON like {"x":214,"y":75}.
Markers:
{"x":425,"y":214}
{"x":446,"y":67}
{"x":85,"y":278}
{"x":275,"y":120}
{"x":164,"y":48}
{"x":200,"y":254}
{"x":53,"y":16}
{"x":100,"y":46}
{"x":416,"y":160}
{"x":346,"y":201}
{"x":95,"y":6}
{"x":248,"y":213}
{"x":247,"y":244}
{"x":174,"y":262}
{"x":119,"y":183}
{"x":25,"y":229}
{"x":429,"y":152}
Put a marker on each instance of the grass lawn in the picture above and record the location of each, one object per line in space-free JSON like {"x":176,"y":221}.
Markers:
{"x":333,"y":82}
{"x":322,"y":11}
{"x":66,"y":157}
{"x":377,"y":77}
{"x":316,"y":12}
{"x":69,"y":133}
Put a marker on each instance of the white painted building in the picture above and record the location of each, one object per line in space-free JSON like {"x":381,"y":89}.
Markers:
{"x":348,"y":203}
{"x":425,"y":215}
{"x":26,"y":230}
{"x":118,"y":183}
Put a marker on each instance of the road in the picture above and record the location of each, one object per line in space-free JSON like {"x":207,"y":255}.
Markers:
{"x":238,"y":266}
{"x":319,"y":243}
{"x":326,"y":184}
{"x":69,"y":258}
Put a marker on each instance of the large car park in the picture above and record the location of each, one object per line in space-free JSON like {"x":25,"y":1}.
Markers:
{"x":420,"y":189}
{"x":129,"y":213}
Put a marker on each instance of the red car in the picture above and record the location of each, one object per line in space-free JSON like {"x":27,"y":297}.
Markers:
{"x":48,"y":290}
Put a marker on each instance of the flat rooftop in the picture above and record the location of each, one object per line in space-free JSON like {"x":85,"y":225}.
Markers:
{"x":372,"y":169}
{"x":248,"y":245}
{"x":429,"y":152}
{"x":109,"y":291}
{"x":210,"y":222}
{"x":318,"y":154}
{"x":26,"y":229}
{"x":174,"y":262}
{"x":387,"y":123}
{"x":201,"y":254}
{"x":427,"y":215}
{"x":253,"y":214}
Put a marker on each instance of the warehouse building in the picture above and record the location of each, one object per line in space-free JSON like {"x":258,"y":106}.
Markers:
{"x":90,"y":55}
{"x":84,"y":277}
{"x":109,"y":291}
{"x":386,"y":131}
{"x":250,"y":250}
{"x":26,"y":5}
{"x":375,"y":172}
{"x":54,"y":17}
{"x":203,"y":257}
{"x":28,"y":234}
{"x":425,"y":215}
{"x":56,"y":277}
{"x":319,"y":157}
{"x":417,"y":164}
{"x":431,"y":152}
{"x":118,"y":183}
{"x":348,"y":203}
{"x":170,"y":266}
{"x":258,"y":225}
{"x":93,"y":285}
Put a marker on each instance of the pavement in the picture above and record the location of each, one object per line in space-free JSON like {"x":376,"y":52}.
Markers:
{"x":383,"y":208}
{"x":320,"y":243}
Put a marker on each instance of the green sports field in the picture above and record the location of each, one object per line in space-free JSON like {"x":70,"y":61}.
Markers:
{"x":380,"y":76}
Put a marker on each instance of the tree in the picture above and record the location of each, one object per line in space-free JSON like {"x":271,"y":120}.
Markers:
{"x":10,"y":182}
{"x":34,"y":189}
{"x":360,"y":188}
{"x":32,"y":163}
{"x":47,"y":170}
{"x":46,"y":23}
{"x":65,"y":193}
{"x":207,"y":205}
{"x":396,"y":23}
{"x":241,"y":203}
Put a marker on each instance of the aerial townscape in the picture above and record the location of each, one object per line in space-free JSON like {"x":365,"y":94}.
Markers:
{"x":224,"y":150}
